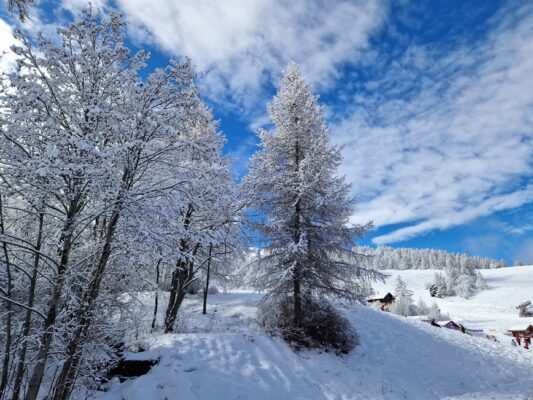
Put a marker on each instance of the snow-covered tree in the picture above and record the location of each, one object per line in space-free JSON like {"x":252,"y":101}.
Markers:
{"x":403,"y":299}
{"x":421,"y":307}
{"x":210,"y":214}
{"x":99,"y":170}
{"x":406,"y":258}
{"x":301,"y":207}
{"x":438,"y":287}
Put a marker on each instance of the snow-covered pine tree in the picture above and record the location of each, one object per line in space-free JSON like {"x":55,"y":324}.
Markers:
{"x":301,"y":207}
{"x":403,"y":302}
{"x":438,"y":287}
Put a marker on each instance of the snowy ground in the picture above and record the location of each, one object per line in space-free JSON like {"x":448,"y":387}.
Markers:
{"x":224,"y":356}
{"x":492,"y":310}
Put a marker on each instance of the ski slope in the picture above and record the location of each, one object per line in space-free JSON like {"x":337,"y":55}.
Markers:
{"x":224,"y":356}
{"x":492,"y":310}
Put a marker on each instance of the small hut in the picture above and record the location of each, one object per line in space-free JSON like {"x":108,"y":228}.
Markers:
{"x":522,"y":331}
{"x":382,"y":302}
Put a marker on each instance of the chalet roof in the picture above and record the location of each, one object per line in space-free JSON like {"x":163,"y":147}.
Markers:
{"x":521,"y":328}
{"x":389,"y":295}
{"x":447,"y":322}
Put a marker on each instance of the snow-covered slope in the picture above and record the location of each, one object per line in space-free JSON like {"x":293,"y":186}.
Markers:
{"x":397,"y":359}
{"x":492,"y":310}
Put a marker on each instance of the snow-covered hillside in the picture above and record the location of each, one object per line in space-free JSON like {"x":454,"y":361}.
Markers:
{"x":492,"y":310}
{"x":224,"y":356}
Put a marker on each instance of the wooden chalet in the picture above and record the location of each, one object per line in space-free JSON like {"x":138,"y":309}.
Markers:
{"x":522,"y":331}
{"x":382,"y":302}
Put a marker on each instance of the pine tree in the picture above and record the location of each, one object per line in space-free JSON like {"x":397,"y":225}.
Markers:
{"x":302,"y":207}
{"x":403,"y":303}
{"x":438,"y":288}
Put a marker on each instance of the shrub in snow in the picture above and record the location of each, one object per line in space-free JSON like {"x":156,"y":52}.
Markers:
{"x":322,"y":326}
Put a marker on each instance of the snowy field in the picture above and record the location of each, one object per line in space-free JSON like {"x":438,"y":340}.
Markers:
{"x":492,"y":310}
{"x":224,"y":356}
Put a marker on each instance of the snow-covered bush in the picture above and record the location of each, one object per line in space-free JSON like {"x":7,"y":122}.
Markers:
{"x":322,"y":326}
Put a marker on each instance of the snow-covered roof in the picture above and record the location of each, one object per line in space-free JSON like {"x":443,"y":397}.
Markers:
{"x":521,"y":328}
{"x":447,"y":322}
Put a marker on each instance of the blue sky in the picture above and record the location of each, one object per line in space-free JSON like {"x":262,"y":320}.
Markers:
{"x":432,"y":100}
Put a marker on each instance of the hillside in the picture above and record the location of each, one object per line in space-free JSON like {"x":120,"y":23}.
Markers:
{"x":224,"y":356}
{"x":492,"y":309}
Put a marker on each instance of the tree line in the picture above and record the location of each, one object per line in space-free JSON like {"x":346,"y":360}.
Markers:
{"x":408,"y":258}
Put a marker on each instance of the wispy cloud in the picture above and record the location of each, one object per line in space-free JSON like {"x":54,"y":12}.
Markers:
{"x":445,"y":136}
{"x":241,"y":47}
{"x":7,"y":57}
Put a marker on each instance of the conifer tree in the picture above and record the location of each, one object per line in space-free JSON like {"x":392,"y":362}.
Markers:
{"x":302,"y":206}
{"x":403,"y":303}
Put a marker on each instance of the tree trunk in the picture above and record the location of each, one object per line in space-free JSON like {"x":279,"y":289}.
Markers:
{"x":207,"y":279}
{"x":156,"y":301}
{"x":296,"y":273}
{"x":65,"y":380}
{"x":9,"y":314}
{"x":47,"y":335}
{"x":181,"y":276}
{"x":27,"y":320}
{"x":177,"y":294}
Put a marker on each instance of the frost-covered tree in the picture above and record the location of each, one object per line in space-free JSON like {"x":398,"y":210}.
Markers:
{"x":98,"y":170}
{"x":301,"y":206}
{"x":480,"y":284}
{"x":209,"y":215}
{"x":463,"y":286}
{"x":421,"y":307}
{"x":406,"y":258}
{"x":403,"y":299}
{"x":438,"y":287}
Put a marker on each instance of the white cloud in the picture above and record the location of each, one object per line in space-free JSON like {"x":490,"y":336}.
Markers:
{"x":445,"y":138}
{"x":240,"y":47}
{"x":7,"y":57}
